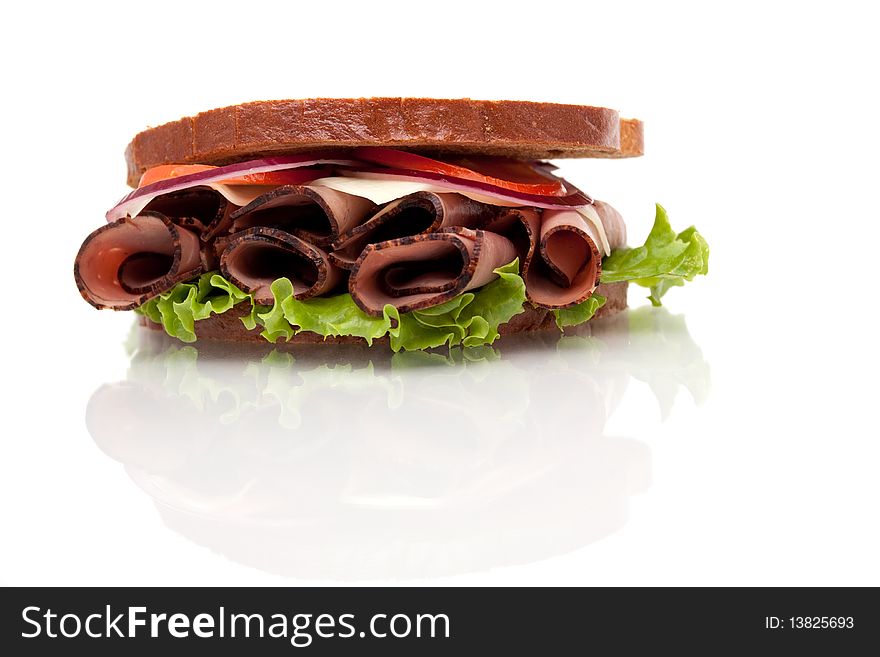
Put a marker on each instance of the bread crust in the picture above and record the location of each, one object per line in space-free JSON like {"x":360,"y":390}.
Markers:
{"x":228,"y":328}
{"x":518,"y":129}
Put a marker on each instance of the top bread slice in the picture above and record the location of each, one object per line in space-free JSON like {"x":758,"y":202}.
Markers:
{"x":517,"y":129}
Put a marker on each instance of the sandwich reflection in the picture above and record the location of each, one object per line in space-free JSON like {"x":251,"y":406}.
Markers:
{"x":399,"y":466}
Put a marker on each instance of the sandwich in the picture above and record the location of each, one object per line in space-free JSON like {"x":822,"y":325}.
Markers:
{"x":414,"y":222}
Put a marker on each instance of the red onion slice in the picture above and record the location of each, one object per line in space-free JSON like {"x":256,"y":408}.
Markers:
{"x":133,"y":202}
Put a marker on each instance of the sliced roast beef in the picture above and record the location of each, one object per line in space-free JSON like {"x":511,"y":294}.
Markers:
{"x":425,"y":270}
{"x":196,"y":208}
{"x":201,"y":210}
{"x":316,"y":214}
{"x":522,"y":226}
{"x":568,"y":261}
{"x":124,"y":263}
{"x":206,"y":209}
{"x":255,"y":257}
{"x":560,"y":251}
{"x":421,"y":212}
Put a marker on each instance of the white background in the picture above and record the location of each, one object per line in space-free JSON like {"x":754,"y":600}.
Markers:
{"x":552,"y":465}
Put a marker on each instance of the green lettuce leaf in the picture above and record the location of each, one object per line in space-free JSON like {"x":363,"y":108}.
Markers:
{"x":186,"y":303}
{"x":410,"y":333}
{"x":333,"y":316}
{"x":493,"y":305}
{"x":470,"y":319}
{"x":666,"y":260}
{"x":583,"y":312}
{"x":275,"y":325}
{"x":326,"y":316}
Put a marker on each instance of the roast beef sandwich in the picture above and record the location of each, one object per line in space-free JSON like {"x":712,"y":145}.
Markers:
{"x":416,"y":222}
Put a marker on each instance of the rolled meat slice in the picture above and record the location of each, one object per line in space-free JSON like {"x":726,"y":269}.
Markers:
{"x":567,"y":263}
{"x":201,"y":210}
{"x":421,"y":212}
{"x":560,"y":250}
{"x":316,"y":214}
{"x":256,"y":257}
{"x":522,"y":226}
{"x":195,"y":208}
{"x":206,"y":209}
{"x":412,"y":273}
{"x":124,"y":263}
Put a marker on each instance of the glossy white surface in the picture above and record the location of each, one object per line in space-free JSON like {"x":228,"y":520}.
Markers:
{"x":731,"y":438}
{"x":375,"y":467}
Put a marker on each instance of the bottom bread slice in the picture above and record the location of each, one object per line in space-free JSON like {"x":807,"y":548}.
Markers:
{"x":228,"y":327}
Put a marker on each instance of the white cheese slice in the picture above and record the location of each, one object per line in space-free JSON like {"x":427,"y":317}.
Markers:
{"x":384,"y":191}
{"x":378,"y":191}
{"x":241,"y":194}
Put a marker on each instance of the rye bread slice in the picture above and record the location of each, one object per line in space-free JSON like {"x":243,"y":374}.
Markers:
{"x":228,"y":328}
{"x":518,"y":129}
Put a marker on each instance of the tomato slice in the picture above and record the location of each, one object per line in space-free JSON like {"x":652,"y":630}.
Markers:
{"x":283,"y":177}
{"x":515,"y":175}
